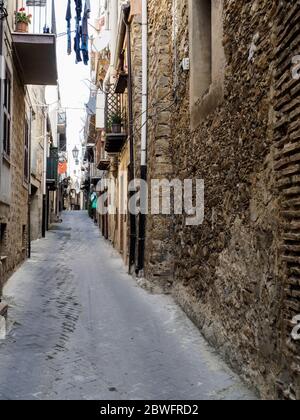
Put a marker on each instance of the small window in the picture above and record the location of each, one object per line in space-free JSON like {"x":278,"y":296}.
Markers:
{"x":207,"y":57}
{"x":26,"y":151}
{"x":7,"y":113}
{"x":3,"y":239}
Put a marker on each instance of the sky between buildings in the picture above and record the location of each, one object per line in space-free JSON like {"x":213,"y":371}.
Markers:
{"x":73,"y":79}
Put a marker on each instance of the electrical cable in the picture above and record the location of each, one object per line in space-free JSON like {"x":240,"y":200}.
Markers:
{"x":150,"y":118}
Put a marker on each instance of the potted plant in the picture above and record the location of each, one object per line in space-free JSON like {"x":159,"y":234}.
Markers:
{"x":116,"y":123}
{"x":23,"y":20}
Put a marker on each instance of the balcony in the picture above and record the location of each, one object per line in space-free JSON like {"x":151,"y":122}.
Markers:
{"x":114,"y":142}
{"x":35,"y":51}
{"x":103,"y":164}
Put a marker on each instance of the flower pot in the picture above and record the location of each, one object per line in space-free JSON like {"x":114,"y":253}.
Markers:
{"x":116,"y":128}
{"x":22,"y":27}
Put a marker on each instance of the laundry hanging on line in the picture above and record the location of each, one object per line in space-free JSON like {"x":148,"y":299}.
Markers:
{"x":81,"y":39}
{"x":85,"y":32}
{"x":77,"y":39}
{"x":78,"y":8}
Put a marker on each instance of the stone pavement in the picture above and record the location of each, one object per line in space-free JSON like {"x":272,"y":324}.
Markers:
{"x":81,"y":328}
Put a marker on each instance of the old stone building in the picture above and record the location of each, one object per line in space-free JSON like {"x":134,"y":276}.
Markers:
{"x":111,"y":152}
{"x":232,"y":121}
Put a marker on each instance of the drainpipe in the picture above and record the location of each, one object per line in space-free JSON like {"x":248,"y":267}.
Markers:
{"x":142,"y":218}
{"x":132,"y":246}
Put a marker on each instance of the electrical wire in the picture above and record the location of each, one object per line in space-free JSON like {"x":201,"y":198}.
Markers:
{"x":150,"y":117}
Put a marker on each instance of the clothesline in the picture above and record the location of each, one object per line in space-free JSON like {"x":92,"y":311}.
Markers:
{"x":66,"y":33}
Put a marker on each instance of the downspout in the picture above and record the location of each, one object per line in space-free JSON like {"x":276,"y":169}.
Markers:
{"x":132,"y":246}
{"x":142,"y":218}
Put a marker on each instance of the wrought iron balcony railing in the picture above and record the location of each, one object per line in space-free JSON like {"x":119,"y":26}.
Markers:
{"x":95,"y":173}
{"x":115,"y":121}
{"x":34,"y":45}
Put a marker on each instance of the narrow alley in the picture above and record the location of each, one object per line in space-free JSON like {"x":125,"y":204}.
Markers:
{"x":159,"y":138}
{"x":80,"y":328}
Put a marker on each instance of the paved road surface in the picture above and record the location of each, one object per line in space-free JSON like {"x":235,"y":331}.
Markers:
{"x":80,"y":328}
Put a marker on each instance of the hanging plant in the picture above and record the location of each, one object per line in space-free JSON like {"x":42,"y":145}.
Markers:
{"x":23,"y":17}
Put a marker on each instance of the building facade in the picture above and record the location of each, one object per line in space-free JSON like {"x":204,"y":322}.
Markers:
{"x":235,"y":128}
{"x":28,"y":64}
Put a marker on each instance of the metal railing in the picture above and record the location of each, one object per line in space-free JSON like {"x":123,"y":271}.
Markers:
{"x":95,"y":172}
{"x":43,"y":15}
{"x":114,"y":107}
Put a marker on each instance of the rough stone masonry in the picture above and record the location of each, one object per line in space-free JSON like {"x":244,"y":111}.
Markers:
{"x":237,"y":275}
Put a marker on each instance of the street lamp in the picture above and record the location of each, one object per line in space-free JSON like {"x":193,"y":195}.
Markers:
{"x":75,"y":152}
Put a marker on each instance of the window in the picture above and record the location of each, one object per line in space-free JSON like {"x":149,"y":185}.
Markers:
{"x":207,"y":57}
{"x":3,"y":239}
{"x":201,"y":47}
{"x":7,"y":113}
{"x":26,"y":152}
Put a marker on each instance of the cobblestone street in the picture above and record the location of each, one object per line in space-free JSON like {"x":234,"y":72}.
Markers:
{"x":81,"y":328}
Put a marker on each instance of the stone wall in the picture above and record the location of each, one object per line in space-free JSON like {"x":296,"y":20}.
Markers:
{"x":231,"y":275}
{"x":159,"y":231}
